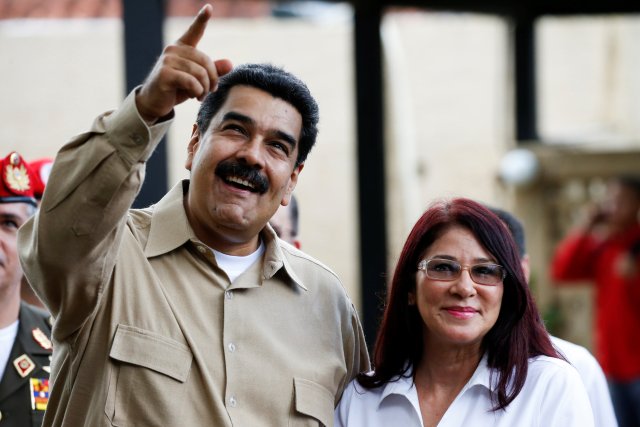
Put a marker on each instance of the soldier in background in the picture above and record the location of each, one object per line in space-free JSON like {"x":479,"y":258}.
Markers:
{"x":25,"y":347}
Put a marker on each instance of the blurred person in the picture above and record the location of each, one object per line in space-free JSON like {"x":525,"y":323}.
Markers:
{"x":605,"y":251}
{"x":587,"y":366}
{"x":190,"y":312}
{"x":285,"y":222}
{"x":461,"y":341}
{"x":25,"y":345}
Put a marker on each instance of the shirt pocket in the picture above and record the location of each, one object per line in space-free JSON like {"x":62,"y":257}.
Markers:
{"x":313,"y":405}
{"x":147,"y":378}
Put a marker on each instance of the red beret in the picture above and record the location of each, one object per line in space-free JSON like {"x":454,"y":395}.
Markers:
{"x":41,"y":168}
{"x":16,"y":181}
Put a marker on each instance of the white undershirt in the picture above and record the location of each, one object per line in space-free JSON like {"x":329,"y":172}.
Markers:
{"x":234,"y":266}
{"x":7,"y":337}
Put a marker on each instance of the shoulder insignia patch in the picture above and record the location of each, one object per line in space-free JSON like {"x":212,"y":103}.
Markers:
{"x":41,"y":338}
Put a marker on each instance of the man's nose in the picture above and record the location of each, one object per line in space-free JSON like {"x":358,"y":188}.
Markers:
{"x":251,"y":153}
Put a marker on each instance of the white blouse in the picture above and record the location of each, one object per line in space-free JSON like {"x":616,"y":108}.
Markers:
{"x":553,"y":395}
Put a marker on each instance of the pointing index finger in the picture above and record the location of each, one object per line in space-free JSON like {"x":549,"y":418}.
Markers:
{"x":195,"y":31}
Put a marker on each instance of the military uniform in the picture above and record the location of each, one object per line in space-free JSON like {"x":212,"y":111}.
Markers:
{"x":24,"y":387}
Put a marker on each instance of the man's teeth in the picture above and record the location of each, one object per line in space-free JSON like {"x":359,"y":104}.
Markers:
{"x":240,"y":181}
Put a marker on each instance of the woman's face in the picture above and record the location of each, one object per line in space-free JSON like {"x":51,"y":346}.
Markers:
{"x":458,"y":312}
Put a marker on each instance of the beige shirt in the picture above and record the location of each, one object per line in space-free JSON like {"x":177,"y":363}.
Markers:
{"x":149,"y":331}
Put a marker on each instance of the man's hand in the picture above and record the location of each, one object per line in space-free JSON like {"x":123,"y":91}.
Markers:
{"x":181,"y":72}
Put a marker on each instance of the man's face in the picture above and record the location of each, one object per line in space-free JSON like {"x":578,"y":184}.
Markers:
{"x":622,"y":205}
{"x":12,"y":216}
{"x":243,"y":167}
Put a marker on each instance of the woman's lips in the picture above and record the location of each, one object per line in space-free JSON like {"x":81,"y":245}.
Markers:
{"x":461,"y":312}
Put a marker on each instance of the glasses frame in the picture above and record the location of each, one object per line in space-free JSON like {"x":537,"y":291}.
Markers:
{"x":422,"y":265}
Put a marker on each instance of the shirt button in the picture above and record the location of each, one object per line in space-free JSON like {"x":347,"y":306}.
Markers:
{"x":228,"y":295}
{"x":233,"y":402}
{"x":232,"y":347}
{"x":201,"y":249}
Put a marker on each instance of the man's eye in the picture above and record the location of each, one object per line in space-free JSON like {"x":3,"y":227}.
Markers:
{"x":234,"y":128}
{"x":281,"y":146}
{"x":10,"y":224}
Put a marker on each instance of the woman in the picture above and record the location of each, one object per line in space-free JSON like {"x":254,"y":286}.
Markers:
{"x":461,"y":342}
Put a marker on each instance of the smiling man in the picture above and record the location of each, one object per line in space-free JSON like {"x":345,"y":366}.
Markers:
{"x":190,"y":312}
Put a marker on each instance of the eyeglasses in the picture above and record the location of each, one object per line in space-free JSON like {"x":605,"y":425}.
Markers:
{"x":447,"y":270}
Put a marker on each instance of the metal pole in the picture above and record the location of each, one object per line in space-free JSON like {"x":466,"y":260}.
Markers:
{"x":371,"y":168}
{"x":143,"y":43}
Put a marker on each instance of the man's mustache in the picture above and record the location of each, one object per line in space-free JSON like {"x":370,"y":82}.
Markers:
{"x":231,"y":168}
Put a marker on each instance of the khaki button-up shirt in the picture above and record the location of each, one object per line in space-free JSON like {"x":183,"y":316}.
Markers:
{"x":149,"y":331}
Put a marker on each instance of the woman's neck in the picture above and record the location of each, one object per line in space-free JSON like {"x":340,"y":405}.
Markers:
{"x":440,"y":377}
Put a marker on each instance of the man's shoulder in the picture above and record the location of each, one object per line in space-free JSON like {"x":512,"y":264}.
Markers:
{"x":304,"y":264}
{"x":574,"y":353}
{"x":315,"y":275}
{"x":580,"y":358}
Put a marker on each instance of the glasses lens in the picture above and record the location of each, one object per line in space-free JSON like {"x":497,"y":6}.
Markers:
{"x":487,"y":274}
{"x":443,"y":269}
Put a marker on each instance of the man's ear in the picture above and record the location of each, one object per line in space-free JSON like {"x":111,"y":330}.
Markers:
{"x":194,"y":142}
{"x":293,"y":180}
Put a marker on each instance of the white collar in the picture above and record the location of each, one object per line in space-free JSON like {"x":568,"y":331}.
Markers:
{"x":403,"y":385}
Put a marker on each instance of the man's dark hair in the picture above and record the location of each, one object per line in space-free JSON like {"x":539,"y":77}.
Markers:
{"x":275,"y":81}
{"x":515,"y":227}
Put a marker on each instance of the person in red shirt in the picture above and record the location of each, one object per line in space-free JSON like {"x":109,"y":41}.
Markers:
{"x":606,"y":251}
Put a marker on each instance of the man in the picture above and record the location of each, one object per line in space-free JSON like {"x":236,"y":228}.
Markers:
{"x":190,"y":312}
{"x":285,"y":222}
{"x":25,"y":348}
{"x":586,"y":365}
{"x":606,"y":251}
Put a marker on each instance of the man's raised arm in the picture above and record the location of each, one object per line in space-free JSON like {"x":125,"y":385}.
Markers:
{"x":69,"y":249}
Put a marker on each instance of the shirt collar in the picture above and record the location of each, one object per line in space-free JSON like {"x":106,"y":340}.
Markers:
{"x":275,"y":258}
{"x":170,"y":229}
{"x":481,"y":376}
{"x":404,"y":385}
